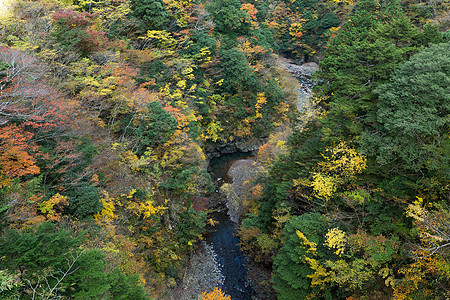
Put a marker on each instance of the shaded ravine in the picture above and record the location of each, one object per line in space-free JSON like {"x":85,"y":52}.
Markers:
{"x":218,"y":260}
{"x":221,"y":237}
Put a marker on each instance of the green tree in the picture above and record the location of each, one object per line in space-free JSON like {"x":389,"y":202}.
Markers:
{"x":412,"y":117}
{"x":32,"y":251}
{"x":84,"y":201}
{"x":51,"y":262}
{"x":430,"y":35}
{"x":124,"y":287}
{"x":152,"y":12}
{"x":237,"y":75}
{"x":357,"y":61}
{"x":400,"y":30}
{"x":155,"y":127}
{"x":191,"y":226}
{"x":292,"y":271}
{"x":229,"y":17}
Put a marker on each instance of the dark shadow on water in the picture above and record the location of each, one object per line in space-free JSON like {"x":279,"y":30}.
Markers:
{"x":219,"y":166}
{"x":230,"y":258}
{"x":225,"y":244}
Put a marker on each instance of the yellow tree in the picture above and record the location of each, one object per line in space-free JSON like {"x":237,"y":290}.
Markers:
{"x":433,"y":227}
{"x":340,"y":165}
{"x":52,"y":208}
{"x":216,"y":294}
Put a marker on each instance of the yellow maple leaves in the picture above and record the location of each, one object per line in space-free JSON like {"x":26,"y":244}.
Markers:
{"x":346,"y":2}
{"x":343,"y":161}
{"x":213,"y":129}
{"x":340,"y":165}
{"x":320,"y":276}
{"x":49,"y":207}
{"x":335,"y":239}
{"x":106,"y":215}
{"x":216,"y":294}
{"x":324,"y":186}
{"x":312,"y":247}
{"x":260,"y":101}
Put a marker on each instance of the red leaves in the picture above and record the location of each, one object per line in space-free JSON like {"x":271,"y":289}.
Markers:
{"x":72,"y":18}
{"x":24,"y":94}
{"x":72,"y":26}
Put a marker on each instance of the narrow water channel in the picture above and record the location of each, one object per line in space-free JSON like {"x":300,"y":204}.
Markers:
{"x":221,"y":237}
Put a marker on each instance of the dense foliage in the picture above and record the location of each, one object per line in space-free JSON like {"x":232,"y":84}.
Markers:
{"x":372,"y":164}
{"x":107,"y":108}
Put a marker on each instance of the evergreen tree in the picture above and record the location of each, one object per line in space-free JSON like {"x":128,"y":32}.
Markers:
{"x":153,"y":13}
{"x":412,"y":117}
{"x":291,"y":268}
{"x":155,"y":127}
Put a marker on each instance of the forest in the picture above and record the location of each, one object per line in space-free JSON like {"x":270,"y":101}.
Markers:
{"x":110,"y":111}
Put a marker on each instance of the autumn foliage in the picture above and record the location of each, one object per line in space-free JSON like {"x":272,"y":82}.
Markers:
{"x":216,"y":294}
{"x":15,"y":148}
{"x":111,"y":110}
{"x":74,"y":30}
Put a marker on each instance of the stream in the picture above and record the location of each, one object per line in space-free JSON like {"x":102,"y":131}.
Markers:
{"x":221,"y":237}
{"x":218,"y":260}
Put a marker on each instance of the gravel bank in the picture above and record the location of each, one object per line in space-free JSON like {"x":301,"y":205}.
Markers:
{"x":202,"y":274}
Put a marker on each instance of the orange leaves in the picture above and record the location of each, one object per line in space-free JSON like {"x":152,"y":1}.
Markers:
{"x":15,"y":161}
{"x":257,"y":191}
{"x":295,"y":30}
{"x":123,"y":74}
{"x":275,"y":146}
{"x":141,"y":96}
{"x":23,"y":212}
{"x":279,"y":19}
{"x":265,"y":154}
{"x":216,"y":294}
{"x":176,"y":112}
{"x":250,"y":9}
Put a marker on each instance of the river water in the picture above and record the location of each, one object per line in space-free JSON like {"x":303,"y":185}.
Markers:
{"x":221,"y":237}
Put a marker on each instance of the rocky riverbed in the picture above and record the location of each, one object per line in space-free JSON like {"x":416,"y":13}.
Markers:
{"x":303,"y":74}
{"x":202,"y":274}
{"x":240,"y":172}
